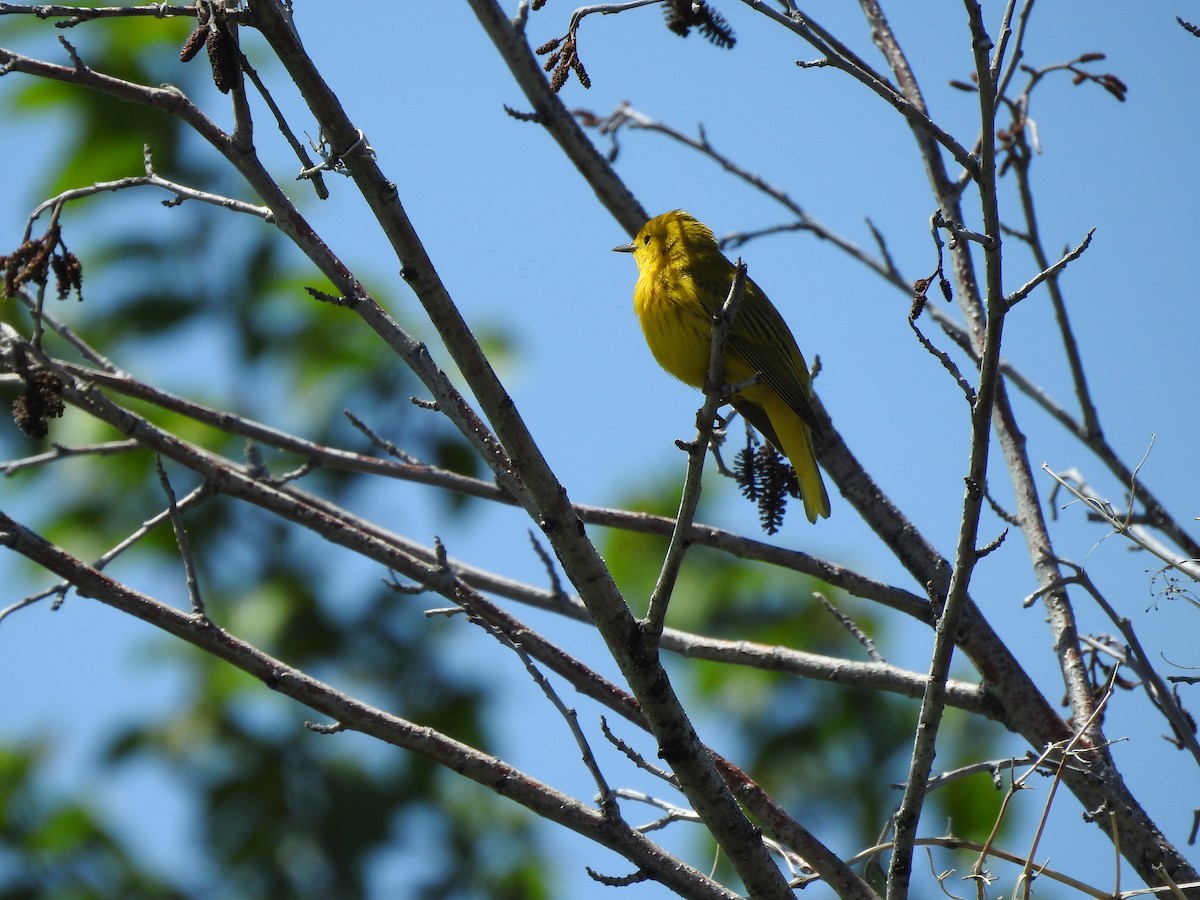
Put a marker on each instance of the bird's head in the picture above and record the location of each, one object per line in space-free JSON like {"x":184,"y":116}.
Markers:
{"x":672,"y":234}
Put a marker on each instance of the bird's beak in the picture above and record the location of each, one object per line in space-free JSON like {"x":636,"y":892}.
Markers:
{"x":625,"y":248}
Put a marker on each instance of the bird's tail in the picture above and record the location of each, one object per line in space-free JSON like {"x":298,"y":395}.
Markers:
{"x":797,"y":444}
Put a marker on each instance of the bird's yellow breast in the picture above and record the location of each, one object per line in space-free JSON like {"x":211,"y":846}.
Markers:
{"x":677,"y":326}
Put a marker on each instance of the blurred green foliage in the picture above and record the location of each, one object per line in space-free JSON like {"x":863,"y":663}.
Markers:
{"x":53,"y":847}
{"x":212,"y":305}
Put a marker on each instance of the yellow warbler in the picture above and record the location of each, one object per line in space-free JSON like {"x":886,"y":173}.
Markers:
{"x":683,"y":280}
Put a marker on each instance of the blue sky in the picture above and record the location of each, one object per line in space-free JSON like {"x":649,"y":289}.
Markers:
{"x":522,"y":244}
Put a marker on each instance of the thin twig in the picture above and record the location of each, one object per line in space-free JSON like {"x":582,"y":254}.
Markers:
{"x":1021,"y":158}
{"x":1024,"y":290}
{"x":181,"y":538}
{"x":656,"y":614}
{"x":955,"y":843}
{"x":75,"y":15}
{"x":181,"y":191}
{"x":60,"y":452}
{"x":674,"y":813}
{"x":992,"y":766}
{"x":851,"y":628}
{"x":627,"y":116}
{"x":1081,"y":735}
{"x":1156,"y":688}
{"x":306,"y":161}
{"x":606,"y":798}
{"x":840,"y":55}
{"x":636,"y":758}
{"x":1103,"y":509}
{"x":196,"y":497}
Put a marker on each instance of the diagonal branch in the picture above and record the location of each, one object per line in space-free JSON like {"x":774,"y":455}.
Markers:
{"x":839,"y":55}
{"x":656,"y":614}
{"x":1049,"y":272}
{"x":528,"y":475}
{"x":354,"y":715}
{"x":550,"y":112}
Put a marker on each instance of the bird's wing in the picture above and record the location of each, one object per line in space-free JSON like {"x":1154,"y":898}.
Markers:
{"x":761,"y":339}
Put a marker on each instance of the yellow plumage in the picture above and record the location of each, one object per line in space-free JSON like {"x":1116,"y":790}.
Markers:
{"x":683,"y":280}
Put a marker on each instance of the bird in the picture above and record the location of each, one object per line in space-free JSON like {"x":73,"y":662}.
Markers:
{"x":683,"y":281}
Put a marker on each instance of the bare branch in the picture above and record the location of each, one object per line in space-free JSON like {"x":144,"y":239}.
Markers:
{"x":351,"y":714}
{"x":839,"y":55}
{"x":606,"y":796}
{"x":181,"y":192}
{"x":715,"y":394}
{"x":181,"y":537}
{"x":1024,"y":290}
{"x":74,"y":15}
{"x":1121,"y":524}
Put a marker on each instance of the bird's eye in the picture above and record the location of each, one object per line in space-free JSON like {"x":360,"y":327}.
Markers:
{"x":646,"y":241}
